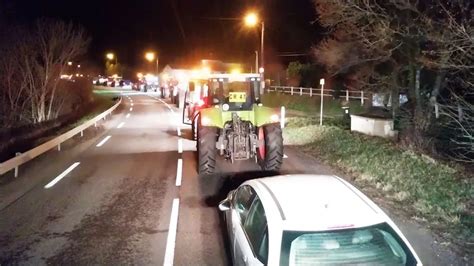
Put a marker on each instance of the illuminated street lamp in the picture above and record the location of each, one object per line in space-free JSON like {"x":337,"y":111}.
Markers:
{"x":150,"y":57}
{"x":251,"y":20}
{"x":110,"y":56}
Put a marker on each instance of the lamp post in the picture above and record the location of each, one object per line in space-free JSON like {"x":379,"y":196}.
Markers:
{"x":150,"y":57}
{"x":112,"y":56}
{"x":251,"y":20}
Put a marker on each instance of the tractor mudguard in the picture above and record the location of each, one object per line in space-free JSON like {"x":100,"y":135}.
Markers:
{"x":258,"y":116}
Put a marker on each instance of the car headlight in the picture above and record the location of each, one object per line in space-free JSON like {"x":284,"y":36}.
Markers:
{"x":225,"y":107}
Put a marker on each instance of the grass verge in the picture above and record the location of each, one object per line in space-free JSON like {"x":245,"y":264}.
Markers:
{"x":101,"y":102}
{"x":309,"y":105}
{"x":427,"y":189}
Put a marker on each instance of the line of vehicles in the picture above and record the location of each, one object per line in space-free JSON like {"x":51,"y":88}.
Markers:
{"x":282,"y":220}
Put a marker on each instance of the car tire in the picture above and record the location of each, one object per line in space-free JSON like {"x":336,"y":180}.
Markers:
{"x":206,"y":149}
{"x":270,"y":155}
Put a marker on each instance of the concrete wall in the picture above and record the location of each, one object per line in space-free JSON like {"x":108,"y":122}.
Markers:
{"x":373,"y":126}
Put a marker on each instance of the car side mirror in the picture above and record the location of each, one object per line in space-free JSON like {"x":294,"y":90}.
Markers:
{"x":224,"y":205}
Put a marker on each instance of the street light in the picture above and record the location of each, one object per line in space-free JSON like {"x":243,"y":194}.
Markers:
{"x":251,"y":20}
{"x":150,"y":57}
{"x":110,"y":56}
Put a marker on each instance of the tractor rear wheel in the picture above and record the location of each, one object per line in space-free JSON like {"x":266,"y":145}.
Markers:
{"x":270,"y":152}
{"x":206,"y":148}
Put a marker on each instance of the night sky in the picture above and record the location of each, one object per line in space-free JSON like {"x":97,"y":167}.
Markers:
{"x":182,"y":31}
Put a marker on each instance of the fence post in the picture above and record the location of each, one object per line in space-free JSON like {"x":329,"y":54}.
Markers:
{"x":347,"y":95}
{"x":321,"y":81}
{"x":301,"y":91}
{"x":59,"y":147}
{"x":16,"y":168}
{"x":310,"y":92}
{"x":361,"y":97}
{"x":291,"y":90}
{"x":82,"y":133}
{"x":282,"y":117}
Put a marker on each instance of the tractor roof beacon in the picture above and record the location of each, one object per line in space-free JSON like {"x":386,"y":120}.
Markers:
{"x":233,"y":123}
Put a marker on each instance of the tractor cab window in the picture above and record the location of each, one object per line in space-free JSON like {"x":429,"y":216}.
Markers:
{"x":237,"y":95}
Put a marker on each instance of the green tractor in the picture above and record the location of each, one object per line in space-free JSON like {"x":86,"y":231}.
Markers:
{"x":234,"y":124}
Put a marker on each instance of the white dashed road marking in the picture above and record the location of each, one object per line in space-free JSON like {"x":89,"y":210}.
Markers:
{"x":180,"y":145}
{"x":62,"y":175}
{"x":285,"y":156}
{"x":103,"y":141}
{"x":171,"y":240}
{"x":131,"y":109}
{"x":179,"y":172}
{"x":121,"y":125}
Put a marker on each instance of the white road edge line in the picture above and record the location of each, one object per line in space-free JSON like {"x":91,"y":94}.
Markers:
{"x":285,"y":156}
{"x":121,"y":125}
{"x":180,"y":145}
{"x":62,"y":175}
{"x":103,"y":141}
{"x":128,"y":115}
{"x":171,"y":240}
{"x":179,"y":172}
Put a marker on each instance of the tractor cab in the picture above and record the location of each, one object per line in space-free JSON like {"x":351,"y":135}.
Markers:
{"x":235,"y":92}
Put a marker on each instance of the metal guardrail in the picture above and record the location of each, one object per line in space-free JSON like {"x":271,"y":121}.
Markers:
{"x":22,"y":158}
{"x":348,"y":94}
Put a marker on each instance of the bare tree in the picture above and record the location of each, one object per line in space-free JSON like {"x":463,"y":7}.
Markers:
{"x":57,"y":43}
{"x":32,"y":62}
{"x":423,"y":47}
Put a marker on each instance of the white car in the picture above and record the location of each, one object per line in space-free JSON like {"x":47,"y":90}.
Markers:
{"x":310,"y":220}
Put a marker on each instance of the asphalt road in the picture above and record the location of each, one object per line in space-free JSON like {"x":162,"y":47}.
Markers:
{"x":132,"y":196}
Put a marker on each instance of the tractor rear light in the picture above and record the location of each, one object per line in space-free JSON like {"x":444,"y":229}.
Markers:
{"x":205,"y":121}
{"x":200,"y":102}
{"x":275,"y":118}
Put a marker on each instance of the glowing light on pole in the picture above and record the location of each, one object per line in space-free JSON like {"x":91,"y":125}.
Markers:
{"x":150,"y":57}
{"x":110,"y":56}
{"x":251,"y":20}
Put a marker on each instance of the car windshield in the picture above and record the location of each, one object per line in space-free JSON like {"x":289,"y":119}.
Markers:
{"x":374,"y":245}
